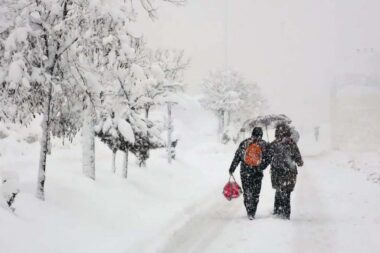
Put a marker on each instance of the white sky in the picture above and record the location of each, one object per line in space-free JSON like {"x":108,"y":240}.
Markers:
{"x":291,"y":48}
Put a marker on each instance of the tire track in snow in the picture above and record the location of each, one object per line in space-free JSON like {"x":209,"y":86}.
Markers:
{"x":197,"y":233}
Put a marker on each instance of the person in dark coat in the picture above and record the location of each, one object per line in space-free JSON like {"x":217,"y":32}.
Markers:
{"x":251,"y":176}
{"x":285,"y":157}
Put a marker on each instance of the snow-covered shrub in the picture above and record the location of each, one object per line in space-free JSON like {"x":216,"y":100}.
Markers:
{"x":31,"y":138}
{"x":134,"y":134}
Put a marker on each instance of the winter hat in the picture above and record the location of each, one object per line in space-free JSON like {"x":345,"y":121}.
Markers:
{"x":282,"y":130}
{"x":257,"y":132}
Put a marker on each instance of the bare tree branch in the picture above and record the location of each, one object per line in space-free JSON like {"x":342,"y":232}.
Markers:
{"x":66,"y":47}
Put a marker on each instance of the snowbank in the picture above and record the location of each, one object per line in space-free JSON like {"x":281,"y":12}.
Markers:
{"x":110,"y":213}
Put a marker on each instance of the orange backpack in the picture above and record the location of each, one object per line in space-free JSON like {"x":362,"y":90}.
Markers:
{"x":253,"y":155}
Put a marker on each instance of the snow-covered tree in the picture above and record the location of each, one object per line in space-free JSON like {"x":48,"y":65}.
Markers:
{"x":130,"y":78}
{"x":53,"y":53}
{"x":165,"y":74}
{"x":127,"y":69}
{"x":32,"y":65}
{"x":166,"y":82}
{"x":138,"y":81}
{"x":132,"y":134}
{"x":230,"y":96}
{"x":253,"y":102}
{"x":168,"y":92}
{"x":105,"y":46}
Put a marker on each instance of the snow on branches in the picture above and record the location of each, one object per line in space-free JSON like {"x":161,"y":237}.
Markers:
{"x":133,"y":134}
{"x":70,"y":60}
{"x":166,"y":77}
{"x":230,"y":97}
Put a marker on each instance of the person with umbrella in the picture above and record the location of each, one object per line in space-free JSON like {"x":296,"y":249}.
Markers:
{"x":266,"y":121}
{"x":285,"y":157}
{"x":253,"y":155}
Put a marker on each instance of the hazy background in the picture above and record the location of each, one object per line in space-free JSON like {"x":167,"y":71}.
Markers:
{"x":294,"y":49}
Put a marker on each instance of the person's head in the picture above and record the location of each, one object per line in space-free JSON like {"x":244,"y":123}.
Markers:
{"x":282,"y":130}
{"x":257,"y":132}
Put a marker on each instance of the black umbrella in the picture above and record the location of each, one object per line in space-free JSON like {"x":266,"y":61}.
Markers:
{"x":267,"y":121}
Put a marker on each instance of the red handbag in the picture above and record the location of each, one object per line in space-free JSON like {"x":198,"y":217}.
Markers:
{"x":232,"y":190}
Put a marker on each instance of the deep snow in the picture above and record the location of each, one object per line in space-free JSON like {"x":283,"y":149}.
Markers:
{"x":179,"y":207}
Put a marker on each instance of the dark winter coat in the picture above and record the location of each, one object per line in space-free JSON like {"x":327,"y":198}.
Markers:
{"x":285,"y":156}
{"x":240,"y":154}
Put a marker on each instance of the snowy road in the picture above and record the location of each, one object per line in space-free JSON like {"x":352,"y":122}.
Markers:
{"x":334,"y":210}
{"x":203,"y":228}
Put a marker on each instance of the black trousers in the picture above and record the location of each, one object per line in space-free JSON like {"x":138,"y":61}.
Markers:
{"x":251,"y":183}
{"x":282,"y":203}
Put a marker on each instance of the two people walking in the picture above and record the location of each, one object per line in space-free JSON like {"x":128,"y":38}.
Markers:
{"x":255,"y":155}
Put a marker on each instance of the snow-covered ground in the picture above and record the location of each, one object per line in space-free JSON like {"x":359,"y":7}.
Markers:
{"x":179,"y":207}
{"x":334,"y":210}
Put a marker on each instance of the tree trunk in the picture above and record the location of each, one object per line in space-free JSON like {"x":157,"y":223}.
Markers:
{"x":113,"y":161}
{"x":170,"y":130}
{"x":147,"y":109}
{"x":125,"y":164}
{"x":88,"y":143}
{"x":44,"y":146}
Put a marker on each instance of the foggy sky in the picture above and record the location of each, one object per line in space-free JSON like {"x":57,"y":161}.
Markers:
{"x":292,"y":48}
